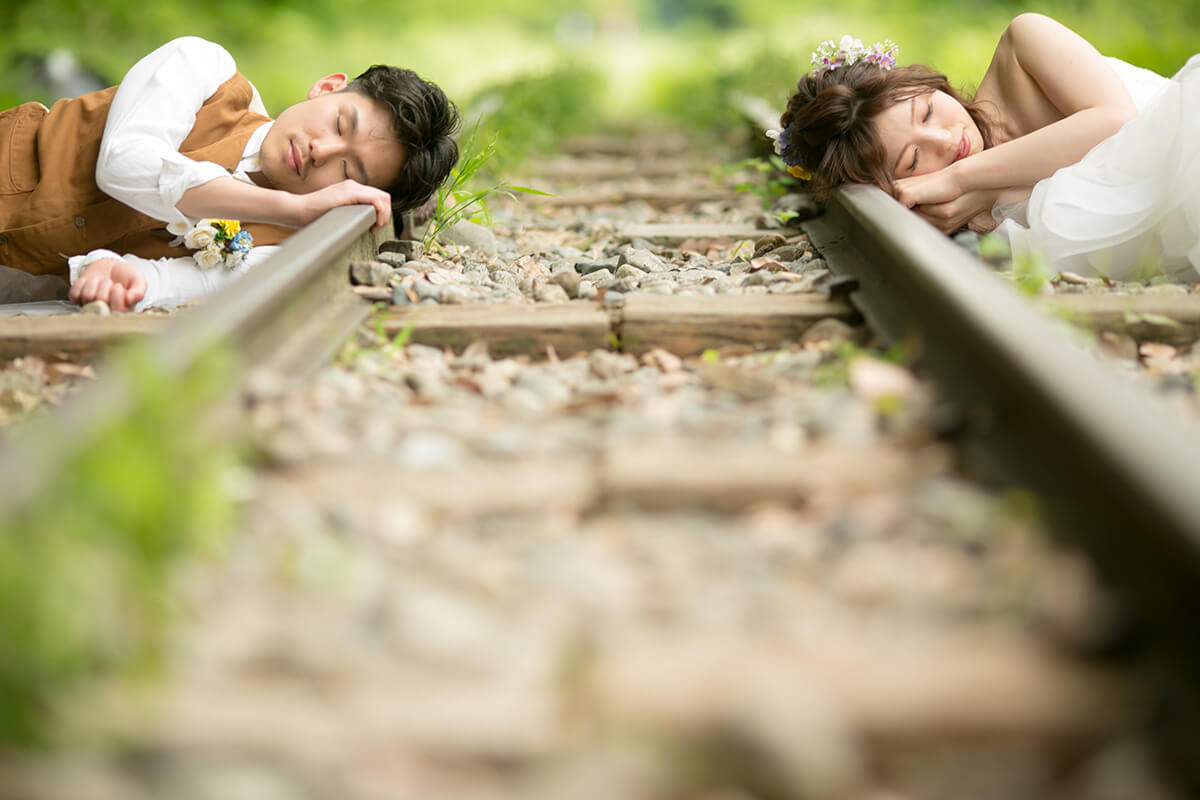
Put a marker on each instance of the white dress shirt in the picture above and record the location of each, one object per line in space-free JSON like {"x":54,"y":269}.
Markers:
{"x":153,"y":111}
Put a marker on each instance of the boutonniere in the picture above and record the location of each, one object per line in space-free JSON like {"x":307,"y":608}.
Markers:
{"x":217,"y":242}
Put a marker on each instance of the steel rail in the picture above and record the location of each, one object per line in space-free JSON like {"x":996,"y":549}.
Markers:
{"x":288,"y":315}
{"x":1112,"y":464}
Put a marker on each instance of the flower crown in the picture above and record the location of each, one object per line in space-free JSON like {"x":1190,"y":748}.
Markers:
{"x":849,"y":51}
{"x":829,"y":56}
{"x":217,"y":242}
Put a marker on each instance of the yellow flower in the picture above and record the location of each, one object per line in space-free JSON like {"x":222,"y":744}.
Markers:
{"x":229,"y":227}
{"x":800,"y":172}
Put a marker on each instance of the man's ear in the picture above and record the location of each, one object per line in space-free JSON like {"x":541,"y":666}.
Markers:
{"x":330,"y":83}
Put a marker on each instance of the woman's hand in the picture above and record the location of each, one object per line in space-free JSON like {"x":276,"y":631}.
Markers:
{"x":932,"y":188}
{"x":116,"y":282}
{"x":964,"y":211}
{"x":940,"y":199}
{"x":345,"y":193}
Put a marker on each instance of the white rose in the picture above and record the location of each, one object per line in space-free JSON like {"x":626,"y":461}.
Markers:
{"x":200,"y":236}
{"x":178,"y":228}
{"x":234,"y":258}
{"x":209,"y":257}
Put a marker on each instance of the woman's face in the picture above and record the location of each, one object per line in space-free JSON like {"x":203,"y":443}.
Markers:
{"x":926,"y":133}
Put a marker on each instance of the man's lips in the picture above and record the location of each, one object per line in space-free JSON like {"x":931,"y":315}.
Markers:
{"x":293,"y":160}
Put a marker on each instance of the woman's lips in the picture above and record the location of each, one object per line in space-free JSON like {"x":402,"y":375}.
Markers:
{"x":292,"y":160}
{"x":964,"y":147}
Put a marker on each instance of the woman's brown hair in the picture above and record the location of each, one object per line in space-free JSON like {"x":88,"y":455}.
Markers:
{"x":829,"y":122}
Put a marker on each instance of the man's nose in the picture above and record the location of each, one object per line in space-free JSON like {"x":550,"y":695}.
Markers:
{"x":322,"y":150}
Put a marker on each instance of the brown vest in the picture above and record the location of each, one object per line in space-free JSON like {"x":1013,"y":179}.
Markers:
{"x":50,"y":205}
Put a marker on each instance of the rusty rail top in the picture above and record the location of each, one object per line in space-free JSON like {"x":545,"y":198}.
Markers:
{"x":288,"y":314}
{"x":1113,"y":464}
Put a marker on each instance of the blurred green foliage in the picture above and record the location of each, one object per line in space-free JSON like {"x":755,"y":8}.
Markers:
{"x":84,"y":571}
{"x":560,"y":66}
{"x":85,"y":568}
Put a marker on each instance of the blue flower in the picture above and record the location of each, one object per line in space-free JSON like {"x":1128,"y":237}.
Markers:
{"x":242,"y":241}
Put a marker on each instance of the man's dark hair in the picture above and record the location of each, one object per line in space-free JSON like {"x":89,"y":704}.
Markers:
{"x":424,"y":120}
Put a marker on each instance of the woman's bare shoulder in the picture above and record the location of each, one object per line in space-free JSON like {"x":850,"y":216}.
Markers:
{"x":1025,"y":80}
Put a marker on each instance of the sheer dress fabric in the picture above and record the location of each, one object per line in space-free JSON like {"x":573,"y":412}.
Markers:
{"x":1130,"y":208}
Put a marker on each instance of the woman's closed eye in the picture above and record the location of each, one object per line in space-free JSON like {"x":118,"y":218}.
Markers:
{"x":916,"y":151}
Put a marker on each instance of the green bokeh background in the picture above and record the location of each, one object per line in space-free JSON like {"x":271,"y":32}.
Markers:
{"x":640,"y":57}
{"x":84,"y":586}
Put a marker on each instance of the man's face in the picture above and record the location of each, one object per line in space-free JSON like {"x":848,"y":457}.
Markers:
{"x":328,"y":138}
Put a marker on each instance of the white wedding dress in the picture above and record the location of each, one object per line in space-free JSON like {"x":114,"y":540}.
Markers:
{"x":1131,"y":208}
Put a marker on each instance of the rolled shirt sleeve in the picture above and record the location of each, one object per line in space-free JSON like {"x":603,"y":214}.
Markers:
{"x":153,"y":111}
{"x":171,"y":282}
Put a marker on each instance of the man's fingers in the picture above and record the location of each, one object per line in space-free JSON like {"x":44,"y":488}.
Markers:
{"x":116,"y":298}
{"x":383,"y":213}
{"x":136,"y":290}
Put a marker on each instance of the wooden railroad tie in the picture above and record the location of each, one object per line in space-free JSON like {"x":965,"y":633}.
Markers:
{"x":682,"y":325}
{"x":685,"y":326}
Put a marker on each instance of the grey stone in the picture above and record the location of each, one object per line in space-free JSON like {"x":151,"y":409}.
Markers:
{"x":407,"y":272}
{"x":642,"y":259}
{"x":614,"y":299}
{"x":588,"y":267}
{"x":428,"y":450}
{"x":768,"y":243}
{"x":627,"y":284}
{"x":549,"y":389}
{"x":787,"y":252}
{"x":410,"y":248}
{"x":465,"y":233}
{"x":830,"y":330}
{"x":97,"y":307}
{"x":599,"y":276}
{"x":569,"y":281}
{"x":550,"y":293}
{"x":370,"y":273}
{"x":606,"y":364}
{"x":425,"y":290}
{"x":392,"y":259}
{"x":400,"y":295}
{"x":453,"y":295}
{"x":629,"y":271}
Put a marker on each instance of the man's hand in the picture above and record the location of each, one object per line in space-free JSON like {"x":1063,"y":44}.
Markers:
{"x":345,"y":193}
{"x":116,"y":282}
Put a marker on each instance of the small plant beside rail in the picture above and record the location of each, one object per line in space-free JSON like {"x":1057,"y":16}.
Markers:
{"x":457,"y":200}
